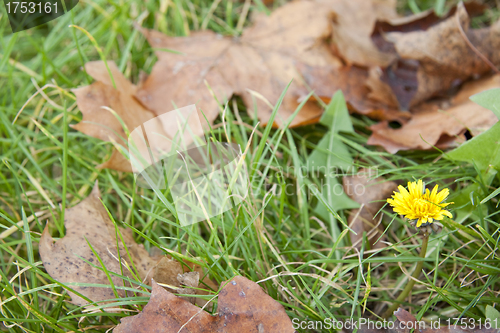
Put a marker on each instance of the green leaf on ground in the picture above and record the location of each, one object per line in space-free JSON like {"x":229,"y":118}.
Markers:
{"x":334,"y":195}
{"x":484,"y":150}
{"x":331,"y":157}
{"x":489,"y":99}
{"x":493,"y":315}
{"x":336,"y":115}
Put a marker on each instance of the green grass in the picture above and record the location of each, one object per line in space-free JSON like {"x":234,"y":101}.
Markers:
{"x":47,"y":166}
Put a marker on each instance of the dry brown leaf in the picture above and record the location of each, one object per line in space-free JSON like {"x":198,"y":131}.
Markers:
{"x":177,"y":81}
{"x":381,"y":91}
{"x":369,"y":192}
{"x":89,"y":221}
{"x":242,"y":307}
{"x":402,"y":76}
{"x":101,"y":123}
{"x":475,"y":87}
{"x":96,"y":102}
{"x":444,"y":56}
{"x":394,"y":85}
{"x":416,"y":22}
{"x":168,"y":271}
{"x":262,"y":60}
{"x":353,"y":83}
{"x":429,"y":128}
{"x":353,"y":23}
{"x":406,"y":318}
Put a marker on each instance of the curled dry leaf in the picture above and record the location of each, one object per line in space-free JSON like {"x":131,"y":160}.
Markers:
{"x":435,"y":57}
{"x":370,"y":193}
{"x":353,"y":23}
{"x":442,"y":129}
{"x":381,"y":91}
{"x":89,"y":222}
{"x":416,"y":22}
{"x":242,"y":307}
{"x":394,"y":85}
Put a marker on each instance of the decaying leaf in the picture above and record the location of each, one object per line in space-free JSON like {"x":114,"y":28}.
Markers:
{"x":433,"y":127}
{"x":181,"y":279}
{"x":394,"y":65}
{"x":370,"y":192}
{"x":259,"y":65}
{"x":381,"y":91}
{"x":105,"y":107}
{"x":352,"y":81}
{"x":353,"y":23}
{"x":416,"y":22}
{"x":101,"y":123}
{"x":262,"y":60}
{"x":242,"y":307}
{"x":444,"y":54}
{"x":406,"y":318}
{"x":89,"y":222}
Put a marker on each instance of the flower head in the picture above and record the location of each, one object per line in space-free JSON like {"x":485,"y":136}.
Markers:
{"x":418,"y":203}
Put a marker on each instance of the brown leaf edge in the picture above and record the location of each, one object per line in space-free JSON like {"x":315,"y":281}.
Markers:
{"x":243,"y":306}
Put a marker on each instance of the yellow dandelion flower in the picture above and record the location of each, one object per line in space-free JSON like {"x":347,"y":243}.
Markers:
{"x":418,"y":203}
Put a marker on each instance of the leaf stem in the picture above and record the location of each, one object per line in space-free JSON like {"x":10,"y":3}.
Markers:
{"x":411,"y":282}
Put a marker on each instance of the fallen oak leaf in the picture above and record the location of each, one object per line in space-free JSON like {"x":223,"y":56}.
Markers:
{"x":89,"y":222}
{"x":243,"y":306}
